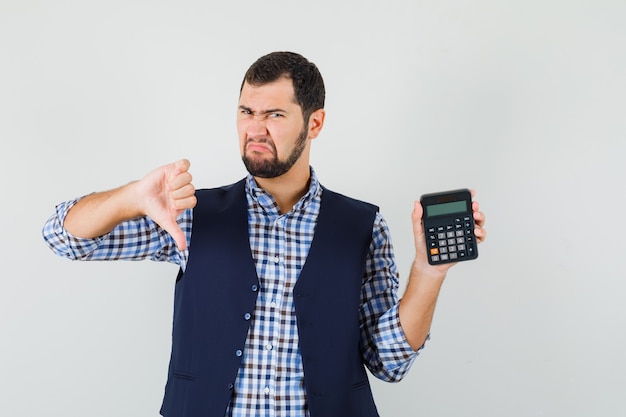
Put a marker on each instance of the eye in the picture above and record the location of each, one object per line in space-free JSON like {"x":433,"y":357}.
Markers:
{"x":275,"y":115}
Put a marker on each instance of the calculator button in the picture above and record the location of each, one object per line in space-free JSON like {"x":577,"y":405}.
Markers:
{"x":451,"y":239}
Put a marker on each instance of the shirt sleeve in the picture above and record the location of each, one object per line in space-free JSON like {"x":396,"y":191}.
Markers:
{"x":386,"y":351}
{"x":137,"y":239}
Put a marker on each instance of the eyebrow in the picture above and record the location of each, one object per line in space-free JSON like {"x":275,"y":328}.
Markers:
{"x":268,"y":111}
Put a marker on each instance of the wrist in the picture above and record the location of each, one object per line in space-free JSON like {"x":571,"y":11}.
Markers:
{"x":431,"y":272}
{"x":132,"y":200}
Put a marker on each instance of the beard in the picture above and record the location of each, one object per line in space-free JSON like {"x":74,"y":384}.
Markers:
{"x":274,"y":167}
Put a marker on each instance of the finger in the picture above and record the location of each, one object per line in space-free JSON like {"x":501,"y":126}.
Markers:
{"x":417,"y":211}
{"x":180,"y":180}
{"x":180,"y":238}
{"x":416,"y":217}
{"x":175,"y":169}
{"x":185,"y":191}
{"x":418,"y":233}
{"x":182,"y":165}
{"x":479,"y":230}
{"x":480,"y":233}
{"x":186,"y":203}
{"x":172,"y":227}
{"x":479,"y":218}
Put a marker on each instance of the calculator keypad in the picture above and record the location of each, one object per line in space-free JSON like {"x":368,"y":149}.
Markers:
{"x":451,"y":240}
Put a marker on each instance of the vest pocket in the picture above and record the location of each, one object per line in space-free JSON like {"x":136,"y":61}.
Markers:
{"x":176,"y":399}
{"x":183,"y":375}
{"x":360,"y":385}
{"x":361,"y":400}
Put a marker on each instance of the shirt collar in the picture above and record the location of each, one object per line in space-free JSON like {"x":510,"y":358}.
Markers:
{"x":267,"y":202}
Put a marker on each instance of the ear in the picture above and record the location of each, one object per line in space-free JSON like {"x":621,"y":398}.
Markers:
{"x":316,"y":122}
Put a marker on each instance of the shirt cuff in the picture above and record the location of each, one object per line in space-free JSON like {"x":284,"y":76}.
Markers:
{"x":395,"y":351}
{"x":76,"y":247}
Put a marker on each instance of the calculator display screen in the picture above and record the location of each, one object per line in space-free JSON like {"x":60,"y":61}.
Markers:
{"x":446,"y":208}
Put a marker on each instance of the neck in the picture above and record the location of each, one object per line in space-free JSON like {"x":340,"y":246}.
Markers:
{"x":287,"y":189}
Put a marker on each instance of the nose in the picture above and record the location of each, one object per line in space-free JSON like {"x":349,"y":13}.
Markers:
{"x":256,"y":127}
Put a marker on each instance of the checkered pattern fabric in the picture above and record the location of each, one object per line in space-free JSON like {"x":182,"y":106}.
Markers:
{"x":271,"y":378}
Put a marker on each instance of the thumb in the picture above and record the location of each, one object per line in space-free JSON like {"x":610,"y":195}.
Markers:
{"x":416,"y":217}
{"x":172,"y":227}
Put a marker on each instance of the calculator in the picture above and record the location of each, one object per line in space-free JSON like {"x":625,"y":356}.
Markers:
{"x":449,"y":226}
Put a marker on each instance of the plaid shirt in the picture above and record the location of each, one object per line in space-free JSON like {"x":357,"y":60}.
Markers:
{"x":271,"y":378}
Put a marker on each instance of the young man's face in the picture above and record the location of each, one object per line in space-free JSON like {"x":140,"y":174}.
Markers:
{"x":272,"y":134}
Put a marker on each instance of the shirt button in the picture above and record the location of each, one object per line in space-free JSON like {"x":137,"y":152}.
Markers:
{"x":266,"y":390}
{"x":238,"y":352}
{"x":273,"y":304}
{"x":247,"y":316}
{"x":268,"y":346}
{"x":276,"y":259}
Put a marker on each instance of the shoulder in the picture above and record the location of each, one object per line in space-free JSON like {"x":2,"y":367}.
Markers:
{"x":224,"y":189}
{"x":350,"y":202}
{"x":206,"y":195}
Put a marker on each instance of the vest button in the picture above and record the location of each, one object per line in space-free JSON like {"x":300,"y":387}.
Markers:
{"x":238,"y":353}
{"x":230,"y":386}
{"x":255,"y":288}
{"x":247,"y":316}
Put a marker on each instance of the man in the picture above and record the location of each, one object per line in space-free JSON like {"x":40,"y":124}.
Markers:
{"x":286,"y":290}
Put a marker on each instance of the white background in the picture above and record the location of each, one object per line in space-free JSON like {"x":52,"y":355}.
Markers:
{"x":522,"y":100}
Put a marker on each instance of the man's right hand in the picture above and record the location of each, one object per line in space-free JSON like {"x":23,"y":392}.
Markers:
{"x":164,"y":194}
{"x":161,"y":195}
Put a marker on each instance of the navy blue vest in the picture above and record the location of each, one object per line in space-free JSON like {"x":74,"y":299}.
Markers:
{"x":215,"y":297}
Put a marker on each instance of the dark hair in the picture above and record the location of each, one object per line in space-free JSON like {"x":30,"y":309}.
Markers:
{"x":308,"y":84}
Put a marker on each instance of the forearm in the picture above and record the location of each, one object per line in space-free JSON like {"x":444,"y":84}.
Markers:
{"x":134,"y":239}
{"x":97,"y":214}
{"x":417,"y":306}
{"x":385,"y":349}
